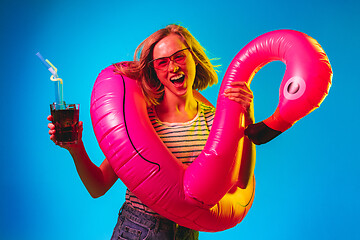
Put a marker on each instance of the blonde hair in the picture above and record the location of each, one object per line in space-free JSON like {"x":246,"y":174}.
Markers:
{"x":139,"y":69}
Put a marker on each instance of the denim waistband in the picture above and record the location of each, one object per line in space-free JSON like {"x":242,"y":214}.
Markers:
{"x":145,"y":219}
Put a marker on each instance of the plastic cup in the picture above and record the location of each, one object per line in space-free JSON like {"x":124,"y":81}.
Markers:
{"x":66,"y":121}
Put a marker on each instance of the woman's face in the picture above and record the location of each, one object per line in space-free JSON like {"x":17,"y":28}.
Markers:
{"x":179,"y":74}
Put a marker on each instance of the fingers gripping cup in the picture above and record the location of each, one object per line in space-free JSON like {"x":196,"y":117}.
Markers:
{"x":66,"y":121}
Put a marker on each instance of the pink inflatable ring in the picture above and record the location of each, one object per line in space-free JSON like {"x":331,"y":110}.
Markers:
{"x":204,"y":196}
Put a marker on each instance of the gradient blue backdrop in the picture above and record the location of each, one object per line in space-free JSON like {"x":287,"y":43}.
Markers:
{"x":307,"y":178}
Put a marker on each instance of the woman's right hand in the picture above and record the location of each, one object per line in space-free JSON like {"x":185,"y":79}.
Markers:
{"x":68,"y":146}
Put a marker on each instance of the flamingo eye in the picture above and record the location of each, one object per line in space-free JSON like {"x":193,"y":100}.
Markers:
{"x":294,"y":88}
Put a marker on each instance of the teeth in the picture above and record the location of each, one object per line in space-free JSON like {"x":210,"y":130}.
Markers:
{"x":176,"y":77}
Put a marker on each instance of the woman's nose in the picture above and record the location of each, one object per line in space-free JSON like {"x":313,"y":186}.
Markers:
{"x":173,"y":67}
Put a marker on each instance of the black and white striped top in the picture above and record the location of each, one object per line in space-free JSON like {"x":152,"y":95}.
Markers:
{"x":184,"y":140}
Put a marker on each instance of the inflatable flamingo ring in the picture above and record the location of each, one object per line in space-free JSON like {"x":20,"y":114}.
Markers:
{"x":204,"y":196}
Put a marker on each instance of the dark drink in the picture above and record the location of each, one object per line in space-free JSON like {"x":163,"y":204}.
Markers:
{"x":66,"y":120}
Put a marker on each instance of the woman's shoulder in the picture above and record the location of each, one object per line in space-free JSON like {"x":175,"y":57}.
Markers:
{"x":206,"y":108}
{"x":208,"y":112}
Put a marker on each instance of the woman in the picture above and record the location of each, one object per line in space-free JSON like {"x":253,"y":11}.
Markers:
{"x":170,"y":65}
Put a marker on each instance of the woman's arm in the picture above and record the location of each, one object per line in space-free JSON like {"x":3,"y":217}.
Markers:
{"x":248,"y":157}
{"x":241,"y":93}
{"x":97,"y":180}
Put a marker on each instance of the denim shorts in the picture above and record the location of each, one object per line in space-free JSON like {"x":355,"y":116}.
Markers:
{"x":133,"y":224}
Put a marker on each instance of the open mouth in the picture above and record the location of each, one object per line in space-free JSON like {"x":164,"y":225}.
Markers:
{"x":178,"y":80}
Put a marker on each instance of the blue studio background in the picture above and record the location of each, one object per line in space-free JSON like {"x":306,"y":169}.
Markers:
{"x":307,"y":178}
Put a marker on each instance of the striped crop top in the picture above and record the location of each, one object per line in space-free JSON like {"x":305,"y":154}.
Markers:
{"x":184,"y":140}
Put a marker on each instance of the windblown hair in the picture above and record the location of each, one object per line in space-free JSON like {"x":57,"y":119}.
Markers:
{"x":139,"y":69}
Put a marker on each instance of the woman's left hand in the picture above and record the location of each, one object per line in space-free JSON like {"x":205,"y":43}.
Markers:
{"x":240,"y":92}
